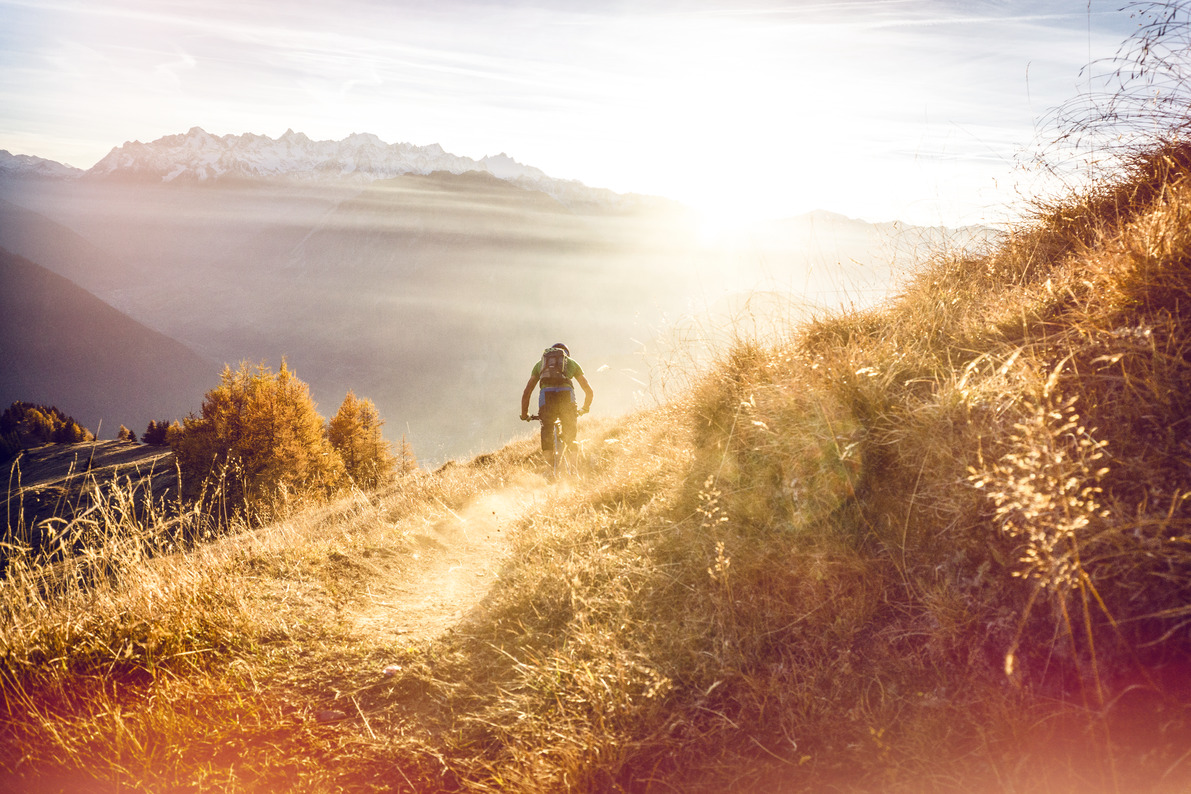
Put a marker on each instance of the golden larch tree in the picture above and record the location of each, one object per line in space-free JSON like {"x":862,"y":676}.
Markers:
{"x":264,"y":430}
{"x":355,"y":433}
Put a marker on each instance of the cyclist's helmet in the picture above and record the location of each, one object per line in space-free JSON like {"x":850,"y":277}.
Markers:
{"x":561,"y":347}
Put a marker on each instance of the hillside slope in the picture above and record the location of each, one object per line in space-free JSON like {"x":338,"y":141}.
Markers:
{"x":62,"y":250}
{"x":942,"y":545}
{"x":61,"y":345}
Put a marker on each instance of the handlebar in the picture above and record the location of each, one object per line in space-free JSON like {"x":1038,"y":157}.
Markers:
{"x":536,"y":417}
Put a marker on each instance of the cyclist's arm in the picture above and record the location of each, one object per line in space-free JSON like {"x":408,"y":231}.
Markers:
{"x":533,"y":381}
{"x":588,"y":392}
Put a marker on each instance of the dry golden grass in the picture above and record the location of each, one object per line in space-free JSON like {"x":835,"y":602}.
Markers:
{"x":134,"y":663}
{"x":938,"y":546}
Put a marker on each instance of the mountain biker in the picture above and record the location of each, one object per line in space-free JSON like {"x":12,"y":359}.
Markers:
{"x":557,"y":397}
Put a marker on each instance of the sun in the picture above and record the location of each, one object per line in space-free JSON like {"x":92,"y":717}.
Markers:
{"x":716,"y":227}
{"x":719,"y":220}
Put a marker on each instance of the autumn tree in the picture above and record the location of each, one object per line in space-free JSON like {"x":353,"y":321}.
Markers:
{"x":124,"y":434}
{"x":71,"y":433}
{"x":354,"y":432}
{"x":263,"y":430}
{"x":39,"y":424}
{"x":42,"y":424}
{"x":406,"y":461}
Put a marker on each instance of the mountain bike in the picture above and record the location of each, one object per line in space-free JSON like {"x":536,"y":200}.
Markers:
{"x":558,"y":460}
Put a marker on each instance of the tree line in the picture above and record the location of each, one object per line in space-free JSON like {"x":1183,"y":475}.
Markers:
{"x":23,"y":424}
{"x":257,"y":437}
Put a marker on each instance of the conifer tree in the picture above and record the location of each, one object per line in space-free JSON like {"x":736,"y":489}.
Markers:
{"x":408,"y":461}
{"x":11,"y":419}
{"x":42,"y":424}
{"x":263,"y":426}
{"x":71,"y":432}
{"x":10,"y":445}
{"x":355,"y":432}
{"x":155,"y":433}
{"x":39,"y":425}
{"x":161,"y":437}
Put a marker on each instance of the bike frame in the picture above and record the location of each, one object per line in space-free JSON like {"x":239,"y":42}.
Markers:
{"x":558,"y":458}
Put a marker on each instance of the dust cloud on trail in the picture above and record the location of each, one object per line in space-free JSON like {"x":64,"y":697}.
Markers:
{"x":458,"y":560}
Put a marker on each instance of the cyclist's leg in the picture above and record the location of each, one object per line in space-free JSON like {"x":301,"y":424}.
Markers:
{"x":546,"y":405}
{"x":568,"y":411}
{"x":543,"y":414}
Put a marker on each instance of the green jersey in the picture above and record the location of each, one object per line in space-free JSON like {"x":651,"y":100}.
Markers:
{"x":572,"y":371}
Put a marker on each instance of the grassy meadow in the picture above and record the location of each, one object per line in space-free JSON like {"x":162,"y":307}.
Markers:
{"x":939,"y":545}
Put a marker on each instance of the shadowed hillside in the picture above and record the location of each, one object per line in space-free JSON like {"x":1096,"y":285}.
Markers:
{"x":61,"y":345}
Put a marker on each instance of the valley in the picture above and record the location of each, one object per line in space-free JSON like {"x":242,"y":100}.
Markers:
{"x":430,"y":293}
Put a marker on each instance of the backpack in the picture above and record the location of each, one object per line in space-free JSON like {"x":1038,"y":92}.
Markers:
{"x":554,"y":368}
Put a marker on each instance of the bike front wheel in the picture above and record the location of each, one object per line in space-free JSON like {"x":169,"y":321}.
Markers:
{"x":558,"y":450}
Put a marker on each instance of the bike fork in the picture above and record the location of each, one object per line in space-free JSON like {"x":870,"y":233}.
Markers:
{"x":559,"y":449}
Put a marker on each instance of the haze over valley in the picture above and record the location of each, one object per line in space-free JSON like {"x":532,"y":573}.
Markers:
{"x":422,"y":280}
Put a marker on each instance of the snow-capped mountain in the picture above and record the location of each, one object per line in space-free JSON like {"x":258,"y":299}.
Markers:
{"x":26,"y":165}
{"x":200,"y":156}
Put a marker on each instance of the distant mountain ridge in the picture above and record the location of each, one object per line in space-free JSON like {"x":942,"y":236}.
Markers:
{"x":198,"y":156}
{"x":24,"y":165}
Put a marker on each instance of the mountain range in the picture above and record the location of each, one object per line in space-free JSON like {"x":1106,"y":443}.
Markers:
{"x":425,"y":281}
{"x":200,"y":156}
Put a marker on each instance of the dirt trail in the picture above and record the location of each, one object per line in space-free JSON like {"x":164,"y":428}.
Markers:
{"x":458,"y":560}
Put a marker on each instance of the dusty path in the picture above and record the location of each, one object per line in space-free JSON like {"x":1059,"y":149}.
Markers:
{"x":459,"y":559}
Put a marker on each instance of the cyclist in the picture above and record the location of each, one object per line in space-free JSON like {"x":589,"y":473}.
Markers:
{"x":557,"y":395}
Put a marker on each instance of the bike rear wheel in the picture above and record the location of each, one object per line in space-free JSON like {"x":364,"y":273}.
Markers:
{"x":558,"y":447}
{"x":554,"y":447}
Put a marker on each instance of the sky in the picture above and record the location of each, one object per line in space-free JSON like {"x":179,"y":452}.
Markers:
{"x":915,"y":110}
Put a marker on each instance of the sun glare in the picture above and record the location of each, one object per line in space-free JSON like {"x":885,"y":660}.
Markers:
{"x":735,"y":203}
{"x":718,"y":224}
